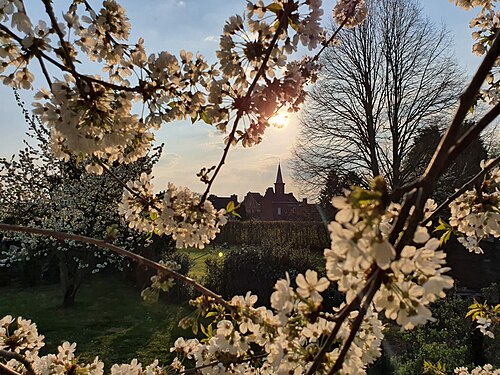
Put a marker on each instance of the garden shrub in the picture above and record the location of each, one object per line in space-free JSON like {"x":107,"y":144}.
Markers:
{"x":449,"y":340}
{"x":258,"y":268}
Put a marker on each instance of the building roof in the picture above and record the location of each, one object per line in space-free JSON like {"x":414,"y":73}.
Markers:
{"x":285,"y":198}
{"x":256,"y":196}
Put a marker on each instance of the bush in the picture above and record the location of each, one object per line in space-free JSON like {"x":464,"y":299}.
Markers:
{"x":449,"y":340}
{"x":257,"y":269}
{"x":180,"y":292}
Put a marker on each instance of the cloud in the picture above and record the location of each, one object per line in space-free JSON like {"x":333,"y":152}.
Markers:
{"x":168,"y":159}
{"x":211,"y":38}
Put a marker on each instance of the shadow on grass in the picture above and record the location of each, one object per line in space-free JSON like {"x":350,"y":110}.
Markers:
{"x":109,"y":320}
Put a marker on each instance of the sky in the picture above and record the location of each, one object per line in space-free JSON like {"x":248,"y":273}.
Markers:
{"x":194,"y":25}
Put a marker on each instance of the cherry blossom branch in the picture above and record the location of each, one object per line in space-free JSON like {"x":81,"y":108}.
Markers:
{"x":462,"y":190}
{"x":246,"y":100}
{"x":4,"y":370}
{"x":445,"y":153}
{"x":18,"y":357}
{"x":421,"y":191}
{"x":120,"y":251}
{"x":67,"y":55}
{"x":335,"y":33}
{"x":141,"y":88}
{"x":375,"y":285}
{"x":467,"y":100}
{"x":260,"y":72}
{"x":340,"y":317}
{"x":195,"y":369}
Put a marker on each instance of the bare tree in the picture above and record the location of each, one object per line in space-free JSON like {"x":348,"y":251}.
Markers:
{"x":390,"y":77}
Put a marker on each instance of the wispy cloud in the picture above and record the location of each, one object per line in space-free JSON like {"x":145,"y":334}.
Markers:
{"x":211,"y":38}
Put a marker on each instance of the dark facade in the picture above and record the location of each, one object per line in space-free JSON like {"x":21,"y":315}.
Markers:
{"x":275,"y":204}
{"x":222,"y":202}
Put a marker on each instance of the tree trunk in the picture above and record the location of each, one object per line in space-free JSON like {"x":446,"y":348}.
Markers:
{"x":69,"y":296}
{"x":69,"y":283}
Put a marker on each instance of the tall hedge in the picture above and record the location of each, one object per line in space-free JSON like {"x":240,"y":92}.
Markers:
{"x":296,"y":234}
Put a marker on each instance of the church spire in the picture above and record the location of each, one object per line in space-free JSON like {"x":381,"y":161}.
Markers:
{"x":279,"y":185}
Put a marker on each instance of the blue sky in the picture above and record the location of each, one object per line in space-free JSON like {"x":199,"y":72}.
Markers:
{"x":195,"y":25}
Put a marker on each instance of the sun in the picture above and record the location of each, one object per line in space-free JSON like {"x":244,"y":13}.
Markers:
{"x":279,"y":120}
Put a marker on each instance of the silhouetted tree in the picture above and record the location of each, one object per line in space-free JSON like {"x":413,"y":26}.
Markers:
{"x":387,"y":79}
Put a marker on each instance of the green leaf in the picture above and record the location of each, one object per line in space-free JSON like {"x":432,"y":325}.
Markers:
{"x":203,"y":116}
{"x":230,"y":207}
{"x":294,"y":26}
{"x":445,"y":237}
{"x":443,"y":225}
{"x":275,"y":8}
{"x":203,"y":330}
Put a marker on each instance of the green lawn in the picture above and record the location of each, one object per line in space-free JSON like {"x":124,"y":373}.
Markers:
{"x":199,"y":256}
{"x":109,"y":320}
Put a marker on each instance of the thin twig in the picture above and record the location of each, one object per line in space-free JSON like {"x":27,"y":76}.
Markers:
{"x":18,"y":357}
{"x":44,"y":70}
{"x":473,"y":133}
{"x":358,"y":320}
{"x":339,"y":318}
{"x":136,"y":194}
{"x":261,"y":70}
{"x":4,"y":370}
{"x":467,"y":100}
{"x":239,"y":115}
{"x":462,"y":190}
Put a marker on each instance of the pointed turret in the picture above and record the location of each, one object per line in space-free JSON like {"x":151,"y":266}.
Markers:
{"x":279,"y":185}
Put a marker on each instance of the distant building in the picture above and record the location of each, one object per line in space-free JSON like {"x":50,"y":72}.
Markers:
{"x":278,"y":205}
{"x":275,"y":204}
{"x":222,"y":202}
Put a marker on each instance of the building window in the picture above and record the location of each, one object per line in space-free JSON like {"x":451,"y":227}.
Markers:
{"x":279,"y":211}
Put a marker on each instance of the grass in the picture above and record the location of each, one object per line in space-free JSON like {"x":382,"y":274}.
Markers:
{"x":109,"y":320}
{"x":199,"y":256}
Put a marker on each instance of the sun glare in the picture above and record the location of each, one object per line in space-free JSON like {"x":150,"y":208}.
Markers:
{"x":279,"y":120}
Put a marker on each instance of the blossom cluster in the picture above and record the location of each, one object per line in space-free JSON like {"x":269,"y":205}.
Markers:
{"x":479,"y":370}
{"x":485,"y":316}
{"x":476,"y":213}
{"x":225,"y":344}
{"x":177,"y":212}
{"x":281,"y":340}
{"x":350,"y":12}
{"x":92,"y":115}
{"x":413,"y":279}
{"x":20,"y":336}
